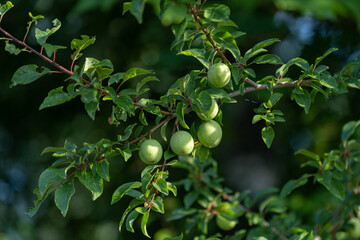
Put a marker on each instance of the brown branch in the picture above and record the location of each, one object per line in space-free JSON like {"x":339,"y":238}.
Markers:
{"x":31,"y":50}
{"x":142,"y":106}
{"x":153,"y":129}
{"x":207,"y":34}
{"x":264,"y":86}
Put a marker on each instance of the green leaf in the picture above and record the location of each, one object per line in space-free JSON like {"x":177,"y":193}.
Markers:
{"x":144,"y":221}
{"x":274,"y":98}
{"x":42,"y":36}
{"x":56,"y":97}
{"x":80,"y":44}
{"x":227,"y":41}
{"x":161,"y":185}
{"x":57,"y":150}
{"x":349,"y":129}
{"x":146,"y":80}
{"x":197,"y":53}
{"x":329,"y":51}
{"x":158,"y":205}
{"x":40,"y":199}
{"x":91,"y":108}
{"x":135,"y":72}
{"x":48,"y":176}
{"x":333,"y":185}
{"x":92,"y":182}
{"x":136,"y":9}
{"x":4,"y":8}
{"x":302,"y":63}
{"x":180,"y":213}
{"x":265,"y":43}
{"x":180,"y":237}
{"x":268,"y":59}
{"x":102,"y":169}
{"x":123,"y":189}
{"x":171,"y":186}
{"x":89,"y":94}
{"x":128,"y":131}
{"x":125,"y":102}
{"x":268,"y":135}
{"x":33,"y":19}
{"x":126,"y":153}
{"x":50,"y":49}
{"x":217,"y":13}
{"x":130,"y":220}
{"x":293,"y":184}
{"x":163,"y":131}
{"x":265,"y":192}
{"x":135,"y":202}
{"x":309,"y":154}
{"x":27,"y":74}
{"x":63,"y":195}
{"x":302,"y":98}
{"x":204,"y":101}
{"x":180,"y":115}
{"x":190,"y":198}
{"x":326,"y":80}
{"x":142,"y":118}
{"x":218,"y":93}
{"x":11,"y":48}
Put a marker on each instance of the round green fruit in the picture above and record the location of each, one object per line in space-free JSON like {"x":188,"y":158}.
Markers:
{"x":211,"y":113}
{"x":225,"y":223}
{"x":150,"y":151}
{"x":210,"y":134}
{"x":182,"y":143}
{"x":219,"y":75}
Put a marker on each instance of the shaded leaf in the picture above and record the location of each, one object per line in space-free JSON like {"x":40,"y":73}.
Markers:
{"x":92,"y":182}
{"x":48,"y":176}
{"x":268,"y":135}
{"x":293,"y":184}
{"x":217,"y":13}
{"x":197,"y":53}
{"x":268,"y":59}
{"x":348,"y":129}
{"x":144,"y":221}
{"x":27,"y":74}
{"x":42,"y":36}
{"x":122,"y":190}
{"x":130,"y":220}
{"x":56,"y":97}
{"x":63,"y":195}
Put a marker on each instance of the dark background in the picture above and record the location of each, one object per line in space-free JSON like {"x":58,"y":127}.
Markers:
{"x":307,"y":29}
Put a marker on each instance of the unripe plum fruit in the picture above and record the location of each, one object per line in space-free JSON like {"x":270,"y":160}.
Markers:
{"x":225,"y":223}
{"x":211,"y":113}
{"x":219,"y":75}
{"x":182,"y":143}
{"x":210,"y":134}
{"x":150,"y":151}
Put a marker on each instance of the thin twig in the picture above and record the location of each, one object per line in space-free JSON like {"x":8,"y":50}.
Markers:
{"x":207,"y":34}
{"x":36,"y":52}
{"x":264,"y":86}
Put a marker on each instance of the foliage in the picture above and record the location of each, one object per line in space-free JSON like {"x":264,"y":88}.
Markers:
{"x":205,"y":32}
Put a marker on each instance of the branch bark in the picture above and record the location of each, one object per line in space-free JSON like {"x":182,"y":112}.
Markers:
{"x":31,"y":50}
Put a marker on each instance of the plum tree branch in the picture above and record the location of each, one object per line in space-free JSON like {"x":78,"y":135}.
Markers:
{"x":207,"y":34}
{"x":258,"y":87}
{"x":31,"y":50}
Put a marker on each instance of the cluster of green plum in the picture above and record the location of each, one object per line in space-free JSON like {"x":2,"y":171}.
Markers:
{"x":209,"y":133}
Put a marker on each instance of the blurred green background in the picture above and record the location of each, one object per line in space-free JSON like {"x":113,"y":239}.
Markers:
{"x":306,"y":28}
